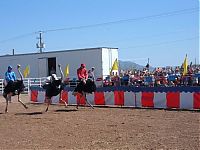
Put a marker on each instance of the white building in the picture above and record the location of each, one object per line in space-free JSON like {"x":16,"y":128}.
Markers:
{"x":41,"y":63}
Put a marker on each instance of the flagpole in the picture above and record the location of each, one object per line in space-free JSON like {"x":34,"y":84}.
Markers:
{"x":195,"y":62}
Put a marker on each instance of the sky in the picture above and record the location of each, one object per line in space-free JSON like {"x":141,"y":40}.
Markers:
{"x":162,"y":30}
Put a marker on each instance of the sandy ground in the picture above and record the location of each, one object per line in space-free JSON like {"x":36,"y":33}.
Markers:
{"x":101,"y":128}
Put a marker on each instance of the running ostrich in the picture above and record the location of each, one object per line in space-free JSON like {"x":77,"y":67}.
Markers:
{"x":85,"y":86}
{"x":14,"y":88}
{"x":53,"y":87}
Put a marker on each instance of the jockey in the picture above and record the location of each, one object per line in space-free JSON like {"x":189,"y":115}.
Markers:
{"x":53,"y":79}
{"x":10,"y":75}
{"x":85,"y":85}
{"x":82,"y":73}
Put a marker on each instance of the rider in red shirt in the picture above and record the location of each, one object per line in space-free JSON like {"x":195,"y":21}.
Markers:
{"x":82,"y":73}
{"x":82,"y":77}
{"x":85,"y":85}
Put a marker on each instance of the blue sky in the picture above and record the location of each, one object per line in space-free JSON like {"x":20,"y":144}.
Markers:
{"x":162,"y":30}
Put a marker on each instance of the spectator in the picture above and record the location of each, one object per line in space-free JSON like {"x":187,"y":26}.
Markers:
{"x":91,"y":74}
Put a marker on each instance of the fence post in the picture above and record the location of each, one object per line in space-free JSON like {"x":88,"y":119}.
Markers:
{"x":40,"y":82}
{"x":28,"y":85}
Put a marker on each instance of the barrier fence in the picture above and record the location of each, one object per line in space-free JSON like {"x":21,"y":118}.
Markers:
{"x":143,"y":97}
{"x":28,"y":82}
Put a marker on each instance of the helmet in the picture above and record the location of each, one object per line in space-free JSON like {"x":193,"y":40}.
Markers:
{"x":83,"y":65}
{"x":54,"y":77}
{"x":9,"y":67}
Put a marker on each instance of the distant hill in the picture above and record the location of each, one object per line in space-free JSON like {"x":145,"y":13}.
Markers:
{"x":127,"y":65}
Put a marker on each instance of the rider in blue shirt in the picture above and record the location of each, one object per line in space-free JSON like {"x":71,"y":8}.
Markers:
{"x":10,"y":75}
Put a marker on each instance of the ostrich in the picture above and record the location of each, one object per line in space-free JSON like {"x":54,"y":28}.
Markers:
{"x":84,"y":88}
{"x":14,"y":88}
{"x":53,"y":87}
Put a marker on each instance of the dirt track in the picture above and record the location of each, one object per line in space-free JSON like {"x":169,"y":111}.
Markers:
{"x":101,"y":128}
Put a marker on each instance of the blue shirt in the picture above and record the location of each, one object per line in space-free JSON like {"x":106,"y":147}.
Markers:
{"x":10,"y":76}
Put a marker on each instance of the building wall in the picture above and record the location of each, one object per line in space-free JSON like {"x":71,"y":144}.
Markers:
{"x":96,"y":57}
{"x":108,"y":57}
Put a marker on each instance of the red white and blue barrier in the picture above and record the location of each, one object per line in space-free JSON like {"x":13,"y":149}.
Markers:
{"x":142,"y":97}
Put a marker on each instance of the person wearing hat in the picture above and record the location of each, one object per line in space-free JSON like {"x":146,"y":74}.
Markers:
{"x":10,"y":77}
{"x":82,"y":75}
{"x":85,"y":85}
{"x":91,"y":74}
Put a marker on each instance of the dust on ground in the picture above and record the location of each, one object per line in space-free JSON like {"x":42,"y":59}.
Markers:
{"x":99,"y":128}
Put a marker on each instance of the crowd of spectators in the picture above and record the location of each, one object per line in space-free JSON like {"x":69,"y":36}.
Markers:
{"x":165,"y":76}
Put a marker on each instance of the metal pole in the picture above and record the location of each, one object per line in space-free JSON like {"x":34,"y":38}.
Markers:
{"x":195,"y":63}
{"x":40,"y":42}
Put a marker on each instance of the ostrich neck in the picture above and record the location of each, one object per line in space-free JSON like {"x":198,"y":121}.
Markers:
{"x":21,"y":76}
{"x":61,"y":73}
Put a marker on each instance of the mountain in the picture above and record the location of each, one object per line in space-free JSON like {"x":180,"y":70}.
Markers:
{"x":129,"y":65}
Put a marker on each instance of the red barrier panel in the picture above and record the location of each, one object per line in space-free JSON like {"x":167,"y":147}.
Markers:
{"x":99,"y":98}
{"x":34,"y":95}
{"x":80,"y":99}
{"x":173,"y":99}
{"x":119,"y":97}
{"x":147,"y":99}
{"x":196,"y":98}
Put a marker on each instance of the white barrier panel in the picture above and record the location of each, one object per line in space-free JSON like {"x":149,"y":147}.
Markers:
{"x":178,"y":100}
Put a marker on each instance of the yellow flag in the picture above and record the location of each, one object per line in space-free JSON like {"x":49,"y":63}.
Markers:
{"x":185,"y":65}
{"x":115,"y":66}
{"x":26,"y":71}
{"x":67,"y":70}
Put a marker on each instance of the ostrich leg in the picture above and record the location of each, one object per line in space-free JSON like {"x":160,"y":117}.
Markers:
{"x":48,"y":103}
{"x":6,"y":109}
{"x":8,"y":98}
{"x":21,"y":76}
{"x":84,"y":94}
{"x":22,"y":102}
{"x":62,"y":82}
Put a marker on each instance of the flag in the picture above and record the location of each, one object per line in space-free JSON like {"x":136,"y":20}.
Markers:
{"x":185,"y":65}
{"x":67,"y":70}
{"x":26,"y":71}
{"x":115,"y":66}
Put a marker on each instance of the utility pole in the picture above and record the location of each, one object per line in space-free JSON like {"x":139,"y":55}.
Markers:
{"x":148,"y":65}
{"x":195,"y":62}
{"x":40,"y":44}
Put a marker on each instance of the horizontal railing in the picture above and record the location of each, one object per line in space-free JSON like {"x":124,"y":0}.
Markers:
{"x":28,"y":82}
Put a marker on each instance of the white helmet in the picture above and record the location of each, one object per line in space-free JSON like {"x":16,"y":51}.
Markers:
{"x":54,"y":77}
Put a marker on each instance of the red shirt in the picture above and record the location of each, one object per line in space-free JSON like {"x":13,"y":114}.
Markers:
{"x":82,"y":73}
